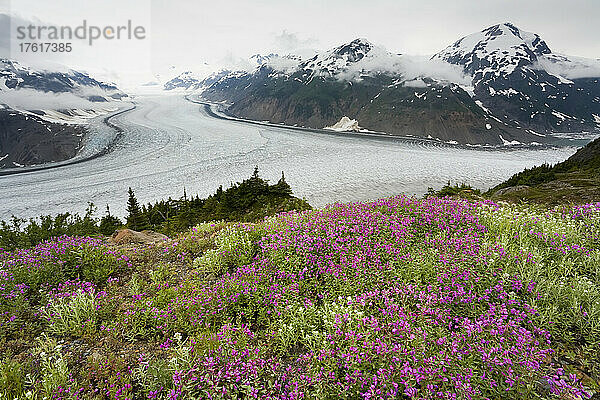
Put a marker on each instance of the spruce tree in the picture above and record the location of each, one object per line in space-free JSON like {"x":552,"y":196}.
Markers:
{"x":282,"y":188}
{"x":136,"y":219}
{"x":109,"y":223}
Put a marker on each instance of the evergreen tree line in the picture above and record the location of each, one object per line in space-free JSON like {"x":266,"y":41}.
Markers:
{"x":250,"y":200}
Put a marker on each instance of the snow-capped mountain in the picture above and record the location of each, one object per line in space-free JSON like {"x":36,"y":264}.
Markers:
{"x":500,"y":86}
{"x":15,"y":76}
{"x":199,"y":80}
{"x":43,"y":112}
{"x":517,"y":77}
{"x":380,"y":90}
{"x":497,"y":50}
{"x":352,"y":60}
{"x":185,"y":80}
{"x":193,"y":81}
{"x":260,"y":59}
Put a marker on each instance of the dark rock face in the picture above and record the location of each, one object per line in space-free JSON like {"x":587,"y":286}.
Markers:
{"x":25,"y":138}
{"x":28,"y":140}
{"x":17,"y":76}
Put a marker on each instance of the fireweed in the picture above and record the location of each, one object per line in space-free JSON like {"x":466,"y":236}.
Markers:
{"x":26,"y":275}
{"x":396,"y":298}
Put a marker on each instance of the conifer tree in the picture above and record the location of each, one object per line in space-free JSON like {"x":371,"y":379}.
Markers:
{"x":136,"y":219}
{"x":109,"y":223}
{"x":282,"y":188}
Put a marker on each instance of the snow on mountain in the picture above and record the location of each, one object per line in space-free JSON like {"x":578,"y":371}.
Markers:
{"x":57,"y":96}
{"x":506,"y":83}
{"x":44,"y":112}
{"x":259,"y":59}
{"x":185,"y":80}
{"x":499,"y":49}
{"x":352,"y":60}
{"x":14,"y":75}
{"x":516,"y":76}
{"x":569,"y":67}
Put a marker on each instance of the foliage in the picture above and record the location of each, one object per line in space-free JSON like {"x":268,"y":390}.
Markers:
{"x":109,"y":223}
{"x":574,"y":180}
{"x":20,"y":233}
{"x":250,"y":200}
{"x":136,"y":220}
{"x":530,"y":176}
{"x":462,"y":190}
{"x":51,"y":272}
{"x":396,"y":298}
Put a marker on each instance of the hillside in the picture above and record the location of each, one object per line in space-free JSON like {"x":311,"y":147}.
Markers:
{"x":395,"y":298}
{"x":350,"y":81}
{"x":525,"y":84}
{"x":29,"y":140}
{"x":576,"y":180}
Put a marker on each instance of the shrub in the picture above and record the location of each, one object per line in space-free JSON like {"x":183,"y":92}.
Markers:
{"x":234,"y":248}
{"x":12,"y":379}
{"x":71,"y":309}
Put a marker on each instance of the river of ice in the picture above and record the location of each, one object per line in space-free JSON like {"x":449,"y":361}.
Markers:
{"x":168,"y":144}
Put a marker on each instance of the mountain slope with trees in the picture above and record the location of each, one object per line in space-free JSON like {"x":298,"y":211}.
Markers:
{"x":576,"y":180}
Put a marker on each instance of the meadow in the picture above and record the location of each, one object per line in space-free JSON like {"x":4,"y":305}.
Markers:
{"x":391,"y":299}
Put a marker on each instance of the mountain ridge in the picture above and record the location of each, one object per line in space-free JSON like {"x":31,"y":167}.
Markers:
{"x":515,"y":93}
{"x":43,"y":112}
{"x":575,"y":180}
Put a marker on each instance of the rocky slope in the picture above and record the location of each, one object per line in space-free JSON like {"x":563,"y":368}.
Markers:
{"x":366,"y":83}
{"x":525,"y":85}
{"x":30,"y":140}
{"x":14,"y":75}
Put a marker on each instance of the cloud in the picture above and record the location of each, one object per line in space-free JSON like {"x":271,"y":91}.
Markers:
{"x":31,"y":99}
{"x":284,"y":64}
{"x":419,"y":66}
{"x":289,"y":43}
{"x":376,"y":61}
{"x":570,"y":67}
{"x":410,"y":68}
{"x":415,"y":83}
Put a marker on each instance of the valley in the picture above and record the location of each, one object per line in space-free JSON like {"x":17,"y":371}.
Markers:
{"x":168,"y":143}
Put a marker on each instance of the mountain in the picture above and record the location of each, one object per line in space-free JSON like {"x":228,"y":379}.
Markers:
{"x":363,"y":82}
{"x":185,"y":80}
{"x":576,"y":180}
{"x":189,"y":80}
{"x":204,"y":76}
{"x":15,"y":76}
{"x":30,"y":140}
{"x":501,"y":86}
{"x":524,"y":84}
{"x":43,"y":112}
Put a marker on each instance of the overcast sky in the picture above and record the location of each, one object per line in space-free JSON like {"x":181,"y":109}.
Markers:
{"x":189,"y":34}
